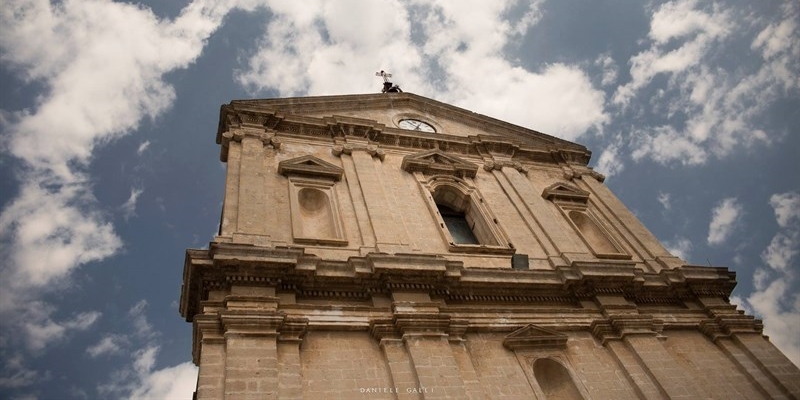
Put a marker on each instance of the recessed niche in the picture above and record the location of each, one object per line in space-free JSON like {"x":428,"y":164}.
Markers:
{"x":554,"y":380}
{"x":595,"y":237}
{"x":315,"y":212}
{"x":314,"y":206}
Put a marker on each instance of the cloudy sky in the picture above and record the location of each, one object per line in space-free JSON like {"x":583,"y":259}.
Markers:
{"x":109,"y":170}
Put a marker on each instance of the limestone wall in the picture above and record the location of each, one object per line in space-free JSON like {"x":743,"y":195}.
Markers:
{"x":379,"y":206}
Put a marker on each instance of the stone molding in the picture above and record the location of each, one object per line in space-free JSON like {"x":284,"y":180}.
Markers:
{"x":564,"y":192}
{"x":267,"y":139}
{"x":532,"y":337}
{"x":727,"y":320}
{"x":437,"y":162}
{"x":348,"y":149}
{"x":358,"y":278}
{"x":260,"y":112}
{"x":578,"y":172}
{"x":216,"y":327}
{"x":505,"y":141}
{"x":494,"y":165}
{"x":618,"y":327}
{"x":310,"y":166}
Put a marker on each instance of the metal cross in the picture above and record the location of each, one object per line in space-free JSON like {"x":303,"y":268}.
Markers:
{"x":385,"y":75}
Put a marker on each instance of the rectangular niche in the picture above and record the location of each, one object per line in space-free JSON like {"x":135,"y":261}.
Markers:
{"x":315,"y":212}
{"x":575,"y":206}
{"x":592,"y":232}
{"x":314,"y":207}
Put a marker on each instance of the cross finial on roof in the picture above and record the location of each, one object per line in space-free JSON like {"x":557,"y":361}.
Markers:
{"x":388,"y":87}
{"x":385,"y":75}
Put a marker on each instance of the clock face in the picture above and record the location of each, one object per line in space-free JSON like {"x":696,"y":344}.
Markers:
{"x":416,"y":125}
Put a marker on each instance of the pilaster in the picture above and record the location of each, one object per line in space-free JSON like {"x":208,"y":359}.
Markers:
{"x":641,"y":334}
{"x":389,"y":237}
{"x":739,"y":336}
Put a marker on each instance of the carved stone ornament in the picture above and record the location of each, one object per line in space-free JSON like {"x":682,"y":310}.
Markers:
{"x":436,"y":162}
{"x":564,"y":192}
{"x":492,"y":165}
{"x":267,"y":138}
{"x":310,"y":166}
{"x":533,"y":337}
{"x":348,"y":149}
{"x":578,"y":172}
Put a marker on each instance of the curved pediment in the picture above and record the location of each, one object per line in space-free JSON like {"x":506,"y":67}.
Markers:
{"x":437,"y":162}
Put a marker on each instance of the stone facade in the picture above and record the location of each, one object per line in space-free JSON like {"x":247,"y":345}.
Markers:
{"x":337,"y":274}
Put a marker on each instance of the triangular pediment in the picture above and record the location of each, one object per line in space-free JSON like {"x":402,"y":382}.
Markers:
{"x":378,"y":117}
{"x":437,"y":162}
{"x":534,"y":337}
{"x":564,"y":192}
{"x":310,"y":166}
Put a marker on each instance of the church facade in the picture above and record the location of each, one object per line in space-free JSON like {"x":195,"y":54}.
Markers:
{"x":389,"y":246}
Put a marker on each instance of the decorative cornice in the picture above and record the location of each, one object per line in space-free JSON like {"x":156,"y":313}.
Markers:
{"x":289,"y":117}
{"x":727,"y":320}
{"x":617,"y":327}
{"x":267,"y":139}
{"x":358,"y":278}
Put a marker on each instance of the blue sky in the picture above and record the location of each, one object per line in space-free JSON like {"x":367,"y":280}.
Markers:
{"x":109,"y":170}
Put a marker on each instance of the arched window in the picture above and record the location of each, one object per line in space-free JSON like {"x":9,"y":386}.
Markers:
{"x":554,"y":380}
{"x":466,"y":222}
{"x":457,"y":224}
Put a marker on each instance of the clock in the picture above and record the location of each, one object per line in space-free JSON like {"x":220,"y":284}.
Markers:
{"x":416,"y":125}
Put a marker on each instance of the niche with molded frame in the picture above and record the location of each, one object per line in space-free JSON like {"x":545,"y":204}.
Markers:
{"x":574,"y":205}
{"x":554,"y":380}
{"x":315,"y":214}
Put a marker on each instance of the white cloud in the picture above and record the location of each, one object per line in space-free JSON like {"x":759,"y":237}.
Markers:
{"x":665,"y":199}
{"x":724,"y":218}
{"x":781,"y":250}
{"x":711,"y":106}
{"x":610,"y":69}
{"x":142,"y":327}
{"x":178,"y":382}
{"x":102,"y":65}
{"x":140,"y":380}
{"x":40,"y":330}
{"x":609,"y":163}
{"x":779,"y":307}
{"x":16,"y":374}
{"x":108,"y":345}
{"x":129,"y":208}
{"x":776,"y":299}
{"x":456,"y":55}
{"x":785,"y":245}
{"x":787,"y":208}
{"x":665,"y":144}
{"x":143,"y":147}
{"x":679,"y":247}
{"x":674,"y":20}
